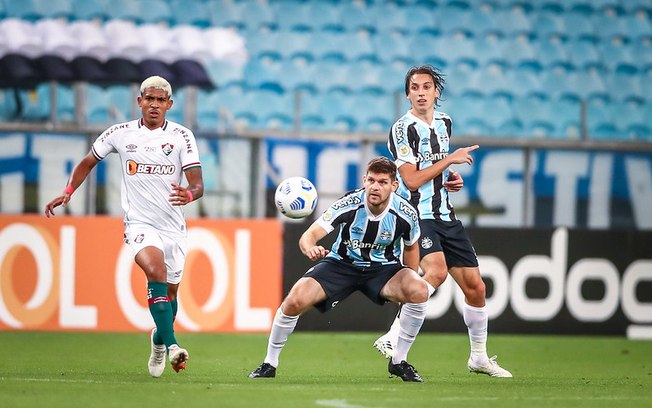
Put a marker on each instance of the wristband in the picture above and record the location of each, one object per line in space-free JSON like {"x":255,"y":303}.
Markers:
{"x":189,"y":194}
{"x":69,"y":189}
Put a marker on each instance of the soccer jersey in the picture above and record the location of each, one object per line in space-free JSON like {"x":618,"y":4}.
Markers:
{"x":151,"y":161}
{"x":411,"y":140}
{"x":365,"y":239}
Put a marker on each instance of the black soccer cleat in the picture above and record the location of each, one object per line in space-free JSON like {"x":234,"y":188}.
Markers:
{"x":405,"y":371}
{"x":265,"y":370}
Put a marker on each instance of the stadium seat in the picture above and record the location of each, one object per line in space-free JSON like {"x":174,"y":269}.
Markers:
{"x":579,"y":26}
{"x":338,"y":112}
{"x":590,"y":85}
{"x":625,"y":87}
{"x":54,"y":68}
{"x":89,"y":10}
{"x":526,"y":82}
{"x":122,"y":100}
{"x":389,"y":17}
{"x":420,"y":19}
{"x":18,"y":71}
{"x":35,"y":103}
{"x":633,"y":119}
{"x":227,"y":14}
{"x":191,"y":12}
{"x":534,"y":113}
{"x":263,"y":74}
{"x":365,"y":77}
{"x":483,"y":22}
{"x":23,"y":9}
{"x":393,"y":47}
{"x":208,"y":109}
{"x":98,"y":108}
{"x":428,"y":49}
{"x":638,"y":25}
{"x":565,"y":114}
{"x":18,"y":37}
{"x":513,"y":21}
{"x":260,"y":16}
{"x":225,"y":74}
{"x":601,"y":124}
{"x":374,"y":113}
{"x":296,"y":75}
{"x":609,"y":26}
{"x":392,"y":77}
{"x":356,"y":17}
{"x":56,"y":38}
{"x":549,"y":24}
{"x":125,"y":40}
{"x":293,"y":16}
{"x":617,"y":56}
{"x":489,"y":50}
{"x":558,"y":84}
{"x":519,"y":51}
{"x":324,"y":16}
{"x":155,"y":12}
{"x":332,"y":76}
{"x":583,"y":54}
{"x":8,"y":107}
{"x":359,"y":47}
{"x":124,"y":10}
{"x":91,"y":39}
{"x":328,"y":46}
{"x":272,"y":110}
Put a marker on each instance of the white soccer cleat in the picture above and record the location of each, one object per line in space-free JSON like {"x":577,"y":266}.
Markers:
{"x":156,"y":363}
{"x":491,"y":368}
{"x":178,"y":357}
{"x":385,"y":346}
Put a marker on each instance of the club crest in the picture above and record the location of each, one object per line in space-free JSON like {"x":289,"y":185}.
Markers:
{"x":167,"y":148}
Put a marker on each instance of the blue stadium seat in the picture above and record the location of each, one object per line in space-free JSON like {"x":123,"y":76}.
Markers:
{"x":617,"y":56}
{"x":638,"y":25}
{"x":175,"y":114}
{"x":355,"y":17}
{"x":297,"y":75}
{"x":558,"y":84}
{"x":590,"y":85}
{"x":271,"y":110}
{"x":394,"y":47}
{"x":98,"y":109}
{"x":366,"y":77}
{"x":633,"y":118}
{"x":549,"y":24}
{"x":565,"y":114}
{"x":600,"y":122}
{"x":534,"y":114}
{"x":469,"y":115}
{"x":263,"y":74}
{"x":24,"y":9}
{"x":374,"y":113}
{"x":625,"y":87}
{"x":483,"y":22}
{"x":489,"y":50}
{"x":227,"y":14}
{"x":209,"y":104}
{"x":155,"y":12}
{"x":191,"y":12}
{"x":225,"y":74}
{"x":393,"y":76}
{"x":8,"y":108}
{"x":513,"y":21}
{"x":312,"y":117}
{"x":419,"y":19}
{"x":452,"y":20}
{"x":389,"y":17}
{"x":260,"y":16}
{"x":583,"y":54}
{"x":610,"y":25}
{"x":328,"y":45}
{"x":260,"y":46}
{"x":89,"y":10}
{"x":293,"y":16}
{"x":525,"y":82}
{"x":337,"y":111}
{"x":551,"y":52}
{"x":122,"y":101}
{"x":291,"y":44}
{"x":35,"y":103}
{"x":325,"y":16}
{"x":359,"y":47}
{"x":124,"y":10}
{"x":519,"y":51}
{"x":332,"y":76}
{"x":579,"y":26}
{"x":459,"y":49}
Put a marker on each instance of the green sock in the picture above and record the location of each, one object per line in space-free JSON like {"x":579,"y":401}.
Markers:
{"x":175,"y":306}
{"x":161,"y":310}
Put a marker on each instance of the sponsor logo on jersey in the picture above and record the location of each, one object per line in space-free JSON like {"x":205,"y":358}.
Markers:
{"x":140,"y":238}
{"x":334,"y":303}
{"x":431,"y":157}
{"x":141,"y":168}
{"x":357,"y":244}
{"x":167,"y":148}
{"x":385,"y":235}
{"x":131,"y":148}
{"x":408,"y":210}
{"x":345,"y":202}
{"x":403,"y":151}
{"x":356,"y":230}
{"x":327,"y":216}
{"x":426,"y":243}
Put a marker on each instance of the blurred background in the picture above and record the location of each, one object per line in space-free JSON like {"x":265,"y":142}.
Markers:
{"x":558,"y":93}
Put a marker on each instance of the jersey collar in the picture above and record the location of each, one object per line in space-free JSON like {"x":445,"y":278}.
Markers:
{"x":141,"y":124}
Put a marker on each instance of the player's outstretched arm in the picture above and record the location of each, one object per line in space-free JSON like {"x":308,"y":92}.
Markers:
{"x":79,"y":174}
{"x":309,"y":239}
{"x":415,"y":178}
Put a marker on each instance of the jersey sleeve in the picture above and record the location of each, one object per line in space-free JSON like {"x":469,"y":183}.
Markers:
{"x":399,"y":144}
{"x":189,"y":153}
{"x":104,"y":144}
{"x":413,"y":236}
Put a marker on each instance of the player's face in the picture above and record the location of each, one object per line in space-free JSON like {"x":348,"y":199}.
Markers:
{"x":378,"y":187}
{"x":422,"y":93}
{"x":154,"y":104}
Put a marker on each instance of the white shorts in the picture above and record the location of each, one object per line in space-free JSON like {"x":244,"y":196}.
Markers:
{"x":173,"y":247}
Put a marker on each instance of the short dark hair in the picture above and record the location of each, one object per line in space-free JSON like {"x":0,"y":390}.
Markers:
{"x":382,"y":165}
{"x":435,"y":74}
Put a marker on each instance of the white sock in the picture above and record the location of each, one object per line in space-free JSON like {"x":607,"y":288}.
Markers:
{"x":477,"y":320}
{"x":282,"y":327}
{"x":411,"y":320}
{"x":431,"y":289}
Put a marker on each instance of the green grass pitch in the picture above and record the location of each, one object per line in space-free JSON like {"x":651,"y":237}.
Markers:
{"x":321,"y":370}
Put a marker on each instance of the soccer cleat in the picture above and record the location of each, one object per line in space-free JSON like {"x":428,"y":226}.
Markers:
{"x":491,"y":368}
{"x":156,"y":364}
{"x":178,"y":357}
{"x":406,"y":371}
{"x":265,"y":370}
{"x":385,"y":346}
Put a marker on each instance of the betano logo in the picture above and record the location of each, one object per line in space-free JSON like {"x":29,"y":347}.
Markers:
{"x":134,"y":168}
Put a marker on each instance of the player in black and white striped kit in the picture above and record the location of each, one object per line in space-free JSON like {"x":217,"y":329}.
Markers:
{"x":419,"y":143}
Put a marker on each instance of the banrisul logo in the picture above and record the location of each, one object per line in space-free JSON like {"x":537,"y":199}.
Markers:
{"x":135,"y":168}
{"x":167,"y":148}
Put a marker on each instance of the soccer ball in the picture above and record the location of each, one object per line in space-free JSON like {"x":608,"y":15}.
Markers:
{"x":296,"y":197}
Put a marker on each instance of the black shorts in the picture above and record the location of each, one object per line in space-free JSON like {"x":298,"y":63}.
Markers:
{"x":450,"y":237}
{"x":340,"y":279}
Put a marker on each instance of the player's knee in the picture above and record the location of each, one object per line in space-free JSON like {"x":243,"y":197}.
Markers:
{"x":417,"y":293}
{"x":292,"y":306}
{"x":435,"y":276}
{"x":476,"y":292}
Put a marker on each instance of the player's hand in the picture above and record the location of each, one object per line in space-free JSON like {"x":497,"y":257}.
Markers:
{"x":63,"y":199}
{"x":463,"y":155}
{"x":455,"y":182}
{"x":317,"y":252}
{"x":179,"y":195}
